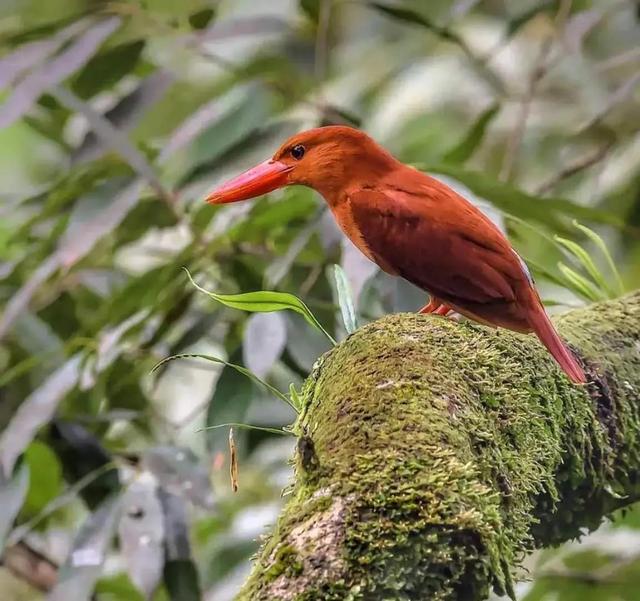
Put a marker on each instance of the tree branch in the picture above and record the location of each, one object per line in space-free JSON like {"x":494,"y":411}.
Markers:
{"x":434,"y":455}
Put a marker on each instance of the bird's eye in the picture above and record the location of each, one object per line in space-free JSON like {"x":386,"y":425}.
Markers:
{"x":297,"y":152}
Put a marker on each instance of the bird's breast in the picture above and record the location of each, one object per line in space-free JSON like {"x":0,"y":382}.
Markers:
{"x":343,"y":214}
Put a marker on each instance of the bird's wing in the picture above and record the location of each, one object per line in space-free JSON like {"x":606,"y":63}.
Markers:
{"x":440,"y":242}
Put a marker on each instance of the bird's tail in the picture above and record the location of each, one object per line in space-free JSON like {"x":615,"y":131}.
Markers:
{"x":547,"y":334}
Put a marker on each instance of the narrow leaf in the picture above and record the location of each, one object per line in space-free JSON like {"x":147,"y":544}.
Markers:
{"x":29,"y":89}
{"x":405,"y":15}
{"x":345,"y":299}
{"x":12,"y":494}
{"x":599,"y":242}
{"x":180,"y":574}
{"x":551,"y":212}
{"x":84,"y":564}
{"x":463,"y":151}
{"x":250,"y":427}
{"x":239,"y":368}
{"x":295,"y":397}
{"x":587,"y":262}
{"x":265,"y":301}
{"x":580,"y":284}
{"x":37,"y":409}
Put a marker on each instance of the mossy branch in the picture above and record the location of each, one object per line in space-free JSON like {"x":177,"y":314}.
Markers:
{"x":434,"y":455}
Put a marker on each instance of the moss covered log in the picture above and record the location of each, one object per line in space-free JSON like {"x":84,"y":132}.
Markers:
{"x":434,"y":455}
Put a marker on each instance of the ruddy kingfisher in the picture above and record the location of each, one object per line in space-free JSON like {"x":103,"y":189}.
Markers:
{"x":413,"y":226}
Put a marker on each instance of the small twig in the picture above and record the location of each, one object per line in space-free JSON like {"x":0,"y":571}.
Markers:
{"x":576,"y":167}
{"x":619,"y":95}
{"x":310,"y":280}
{"x":539,"y":69}
{"x":628,"y":56}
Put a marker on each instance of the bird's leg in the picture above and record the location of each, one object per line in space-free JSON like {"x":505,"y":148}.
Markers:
{"x":431,"y":307}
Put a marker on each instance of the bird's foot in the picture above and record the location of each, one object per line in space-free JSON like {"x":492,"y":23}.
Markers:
{"x":436,"y":307}
{"x":431,"y":307}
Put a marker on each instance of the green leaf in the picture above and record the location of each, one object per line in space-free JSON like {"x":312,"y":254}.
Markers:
{"x":587,"y":262}
{"x":463,"y":151}
{"x":551,"y":212}
{"x":107,"y":68}
{"x":295,"y":397}
{"x":201,"y":18}
{"x":265,"y":301}
{"x":406,"y":15}
{"x":311,"y":8}
{"x":35,"y":411}
{"x":46,"y":477}
{"x":239,"y":368}
{"x":599,"y":242}
{"x":345,"y":299}
{"x":249,"y":427}
{"x":580,"y":284}
{"x":117,"y":587}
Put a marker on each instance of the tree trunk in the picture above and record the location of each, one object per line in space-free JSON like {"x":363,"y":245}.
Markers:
{"x":434,"y":455}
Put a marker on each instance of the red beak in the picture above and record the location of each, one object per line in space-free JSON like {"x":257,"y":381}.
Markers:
{"x":262,"y":178}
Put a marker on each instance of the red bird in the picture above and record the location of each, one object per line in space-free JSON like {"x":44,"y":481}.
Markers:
{"x":412,"y":226}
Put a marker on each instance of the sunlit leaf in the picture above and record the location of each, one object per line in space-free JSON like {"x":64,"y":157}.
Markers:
{"x":587,"y":263}
{"x":45,"y":477}
{"x":580,"y":284}
{"x":599,"y":242}
{"x":265,"y":301}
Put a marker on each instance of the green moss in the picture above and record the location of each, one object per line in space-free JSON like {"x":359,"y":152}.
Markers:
{"x":285,"y":561}
{"x":442,"y":452}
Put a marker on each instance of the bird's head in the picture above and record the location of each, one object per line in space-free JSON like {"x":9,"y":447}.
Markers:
{"x":326,"y":159}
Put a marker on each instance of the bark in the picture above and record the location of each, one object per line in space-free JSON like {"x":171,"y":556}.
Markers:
{"x":433,"y":456}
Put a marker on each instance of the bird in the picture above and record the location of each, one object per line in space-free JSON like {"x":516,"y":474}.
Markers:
{"x":411,"y":225}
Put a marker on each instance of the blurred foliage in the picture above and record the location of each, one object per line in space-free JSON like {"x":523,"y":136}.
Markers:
{"x":116,"y":119}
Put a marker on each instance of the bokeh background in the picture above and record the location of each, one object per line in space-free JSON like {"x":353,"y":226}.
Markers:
{"x":117,"y":117}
